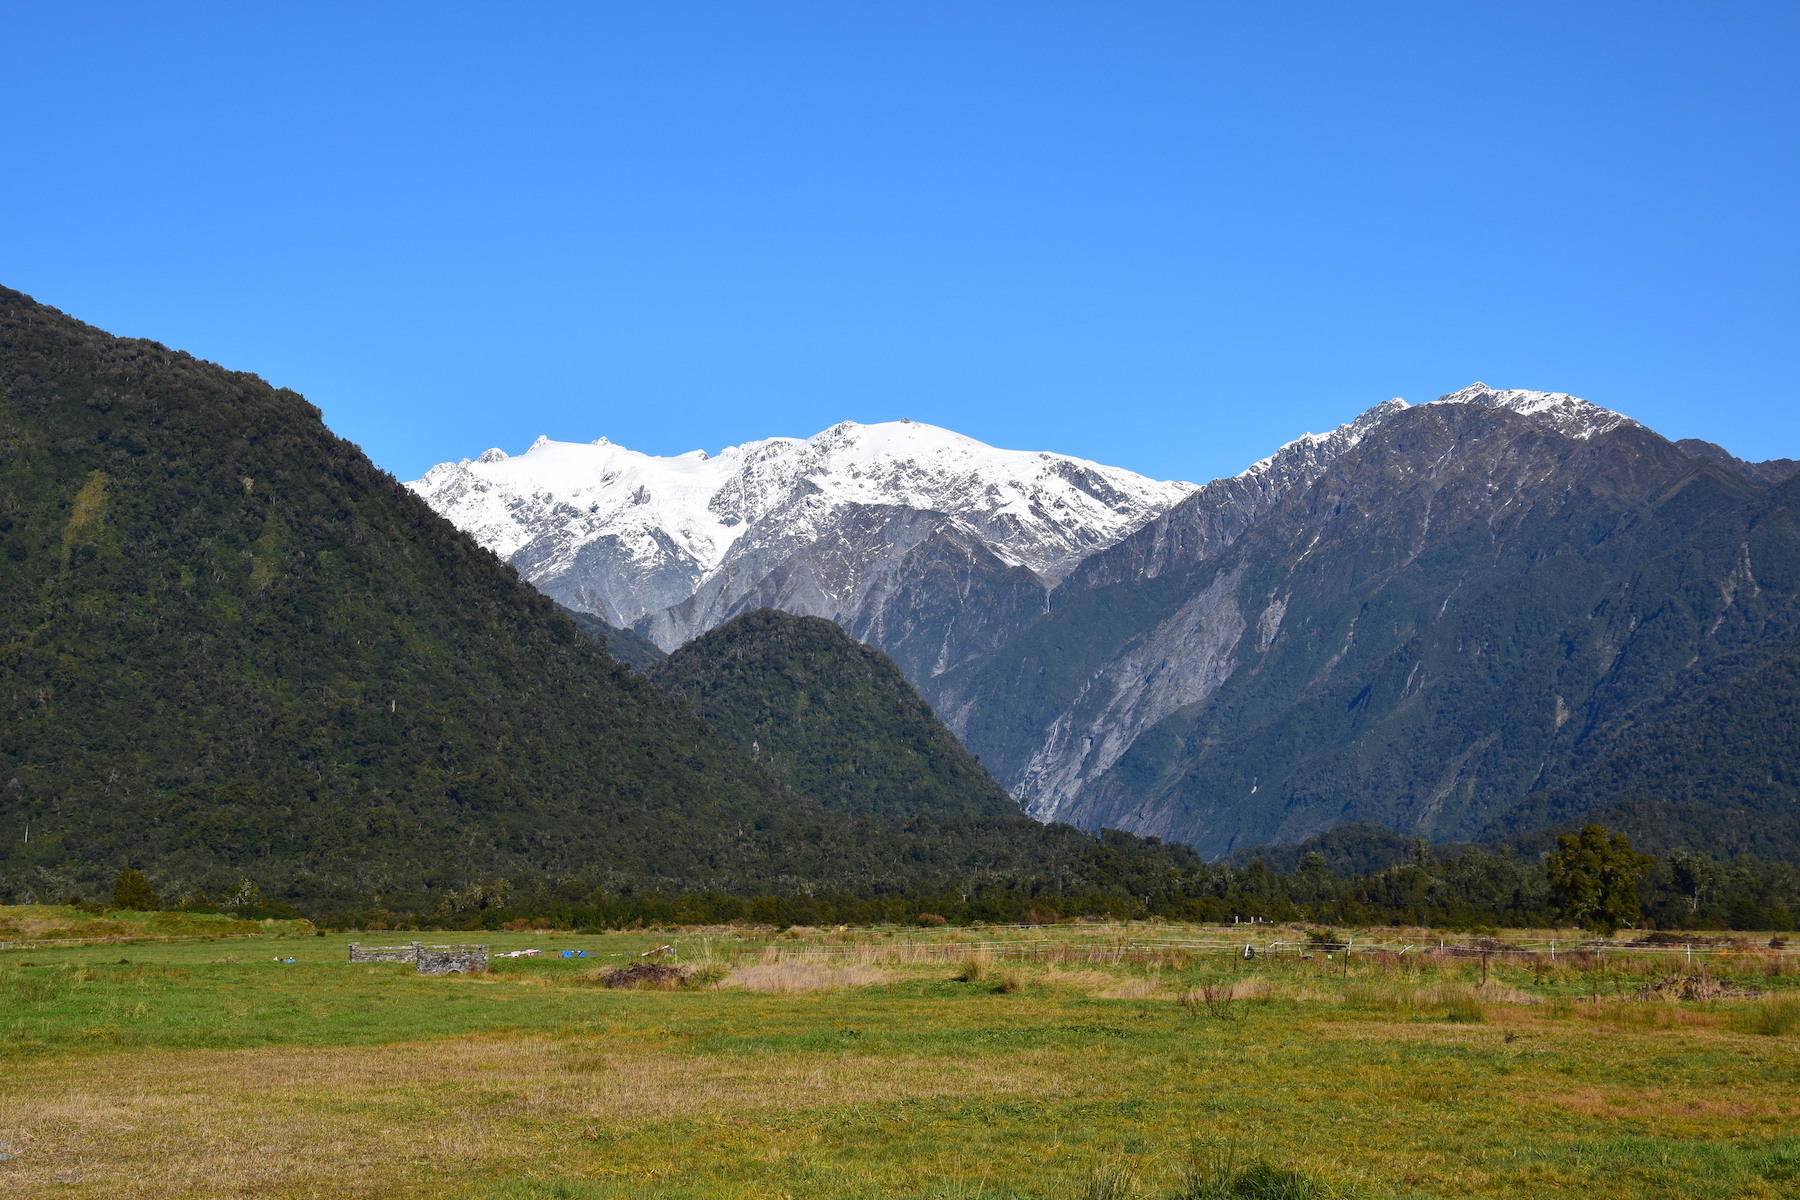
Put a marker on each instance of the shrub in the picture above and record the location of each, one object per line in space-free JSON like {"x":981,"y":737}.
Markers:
{"x":132,"y":891}
{"x":932,"y":920}
{"x":1218,"y":1001}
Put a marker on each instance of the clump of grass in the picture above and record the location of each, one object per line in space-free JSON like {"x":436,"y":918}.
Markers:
{"x":16,"y":987}
{"x":1133,"y":987}
{"x":1009,"y":981}
{"x":1461,"y":1007}
{"x":1776,"y":1017}
{"x":973,"y":967}
{"x":1215,"y":1173}
{"x":1088,"y":981}
{"x":1111,"y":1180}
{"x":702,"y":978}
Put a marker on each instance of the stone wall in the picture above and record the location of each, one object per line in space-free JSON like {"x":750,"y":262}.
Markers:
{"x":443,"y":960}
{"x":367,"y":954}
{"x":432,"y":960}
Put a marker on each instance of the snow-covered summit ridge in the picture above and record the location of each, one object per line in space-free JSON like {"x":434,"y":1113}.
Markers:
{"x":1568,"y":415}
{"x":687,"y":512}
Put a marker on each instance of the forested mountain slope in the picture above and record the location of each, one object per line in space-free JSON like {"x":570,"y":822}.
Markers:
{"x":1716,"y":773}
{"x":831,"y":718}
{"x":231,"y":645}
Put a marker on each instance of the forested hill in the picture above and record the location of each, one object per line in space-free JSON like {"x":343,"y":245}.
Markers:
{"x":630,"y":648}
{"x":232,"y":646}
{"x":832,"y":718}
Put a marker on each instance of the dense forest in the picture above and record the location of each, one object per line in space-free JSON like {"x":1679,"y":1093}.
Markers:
{"x":1469,"y":889}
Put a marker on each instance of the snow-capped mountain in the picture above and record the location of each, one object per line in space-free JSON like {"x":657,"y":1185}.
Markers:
{"x":1258,"y":658}
{"x":821,"y":526}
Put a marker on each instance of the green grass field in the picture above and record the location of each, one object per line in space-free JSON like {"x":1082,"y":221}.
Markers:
{"x":1073,"y":1062}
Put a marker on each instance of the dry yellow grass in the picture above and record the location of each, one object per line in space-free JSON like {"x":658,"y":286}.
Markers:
{"x":800,"y":977}
{"x":1135,"y":987}
{"x":402,"y":1120}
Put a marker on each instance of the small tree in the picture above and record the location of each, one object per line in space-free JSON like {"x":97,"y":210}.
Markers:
{"x":131,"y":890}
{"x":1593,"y":878}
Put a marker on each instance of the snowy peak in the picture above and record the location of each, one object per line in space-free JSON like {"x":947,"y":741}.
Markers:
{"x":1568,"y":415}
{"x":507,"y":502}
{"x":583,"y":519}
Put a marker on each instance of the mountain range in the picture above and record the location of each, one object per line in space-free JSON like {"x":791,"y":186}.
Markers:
{"x":1496,"y":612}
{"x":886,"y":529}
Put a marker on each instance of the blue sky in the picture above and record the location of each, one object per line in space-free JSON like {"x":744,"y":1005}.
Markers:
{"x":1164,"y":235}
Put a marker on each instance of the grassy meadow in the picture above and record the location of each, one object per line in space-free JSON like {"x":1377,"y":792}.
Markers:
{"x":1069,"y":1062}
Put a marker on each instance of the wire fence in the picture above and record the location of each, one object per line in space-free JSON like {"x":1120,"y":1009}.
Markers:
{"x":1160,"y":949}
{"x":126,"y":939}
{"x":1088,"y":943}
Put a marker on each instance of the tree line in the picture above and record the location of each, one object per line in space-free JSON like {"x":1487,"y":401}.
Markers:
{"x":1594,"y":880}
